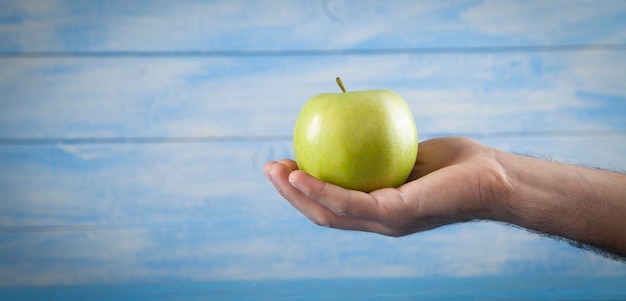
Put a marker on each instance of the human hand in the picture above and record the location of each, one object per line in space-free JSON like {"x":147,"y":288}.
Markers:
{"x":454,"y":180}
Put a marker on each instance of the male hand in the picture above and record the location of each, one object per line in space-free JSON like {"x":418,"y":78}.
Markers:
{"x":454,"y":180}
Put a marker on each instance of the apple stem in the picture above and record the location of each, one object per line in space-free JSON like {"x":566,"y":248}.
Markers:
{"x":340,"y":84}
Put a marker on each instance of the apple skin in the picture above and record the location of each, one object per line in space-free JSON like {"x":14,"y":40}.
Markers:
{"x":362,"y":140}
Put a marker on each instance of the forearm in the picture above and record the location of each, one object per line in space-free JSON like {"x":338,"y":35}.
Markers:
{"x":580,"y":204}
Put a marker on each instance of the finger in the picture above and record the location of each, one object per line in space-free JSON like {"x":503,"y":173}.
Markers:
{"x":314,"y":211}
{"x":278,"y":173}
{"x":290,"y":163}
{"x":357,"y":207}
{"x":342,"y":202}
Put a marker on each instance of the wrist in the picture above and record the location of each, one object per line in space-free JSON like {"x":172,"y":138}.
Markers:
{"x":503,"y":186}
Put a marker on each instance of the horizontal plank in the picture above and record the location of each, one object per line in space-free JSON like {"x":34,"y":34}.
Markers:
{"x":482,"y":93}
{"x":256,"y":252}
{"x":289,"y":251}
{"x":132,"y":185}
{"x":268,"y":25}
{"x":66,"y":185}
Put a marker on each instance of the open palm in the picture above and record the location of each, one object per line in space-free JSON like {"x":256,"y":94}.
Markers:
{"x":454,"y":180}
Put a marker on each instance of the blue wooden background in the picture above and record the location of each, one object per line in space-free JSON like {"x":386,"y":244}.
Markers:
{"x":133,"y":133}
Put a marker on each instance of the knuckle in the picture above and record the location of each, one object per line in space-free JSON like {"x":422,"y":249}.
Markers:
{"x":321,"y":221}
{"x":344,"y":207}
{"x":342,"y":210}
{"x":317,"y":193}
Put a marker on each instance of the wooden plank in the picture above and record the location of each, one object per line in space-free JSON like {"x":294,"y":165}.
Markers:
{"x":143,"y":185}
{"x":135,"y":184}
{"x":474,"y":93}
{"x":269,"y":25}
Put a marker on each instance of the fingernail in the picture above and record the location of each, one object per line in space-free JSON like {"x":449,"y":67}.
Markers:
{"x":271,"y":178}
{"x":293,"y":181}
{"x":269,"y":174}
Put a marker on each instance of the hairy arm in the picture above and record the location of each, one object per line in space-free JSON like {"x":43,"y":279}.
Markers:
{"x":584,"y":205}
{"x":456,"y":180}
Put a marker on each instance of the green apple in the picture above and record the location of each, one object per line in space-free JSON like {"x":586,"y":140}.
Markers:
{"x":363,"y":140}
